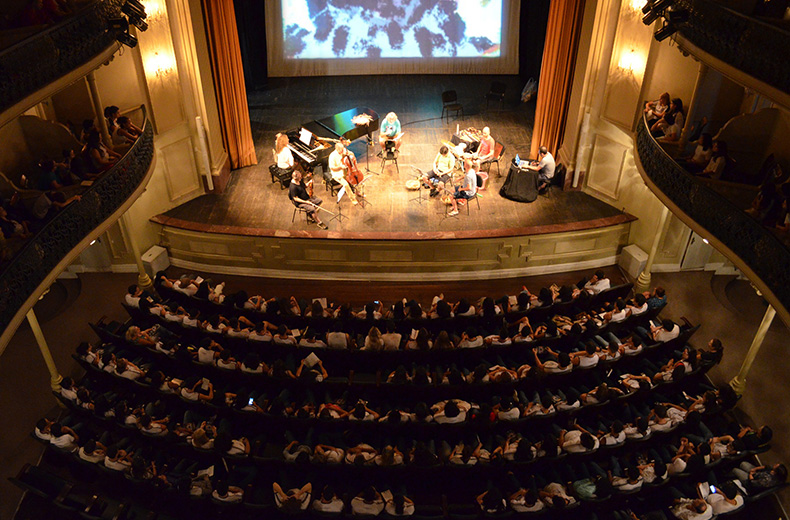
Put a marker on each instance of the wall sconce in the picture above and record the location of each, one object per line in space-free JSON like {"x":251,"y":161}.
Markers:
{"x":155,"y":9}
{"x":631,"y":62}
{"x":636,"y":5}
{"x":161,"y":65}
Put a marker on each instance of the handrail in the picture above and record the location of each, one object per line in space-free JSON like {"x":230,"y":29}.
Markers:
{"x":37,"y":61}
{"x":749,"y":244}
{"x":42,"y":253}
{"x":759,"y":49}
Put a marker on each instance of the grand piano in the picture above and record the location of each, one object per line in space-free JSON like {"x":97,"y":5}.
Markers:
{"x":312,"y":142}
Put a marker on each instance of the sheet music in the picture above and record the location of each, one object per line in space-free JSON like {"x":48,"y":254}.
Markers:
{"x":306,"y":136}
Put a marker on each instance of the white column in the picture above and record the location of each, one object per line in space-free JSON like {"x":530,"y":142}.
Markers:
{"x":98,"y":109}
{"x":54,"y":376}
{"x":643,"y":281}
{"x":143,"y":280}
{"x":738,"y":382}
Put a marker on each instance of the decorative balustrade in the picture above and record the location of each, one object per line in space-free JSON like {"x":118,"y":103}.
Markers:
{"x":46,"y":56}
{"x":754,"y":245}
{"x":757,"y":48}
{"x":41,"y":254}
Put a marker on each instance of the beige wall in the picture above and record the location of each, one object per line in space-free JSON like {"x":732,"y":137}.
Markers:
{"x":669,"y":71}
{"x":118,"y":82}
{"x":73,"y":103}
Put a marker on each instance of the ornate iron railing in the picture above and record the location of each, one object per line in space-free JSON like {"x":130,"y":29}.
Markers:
{"x":759,"y":49}
{"x":755,"y":245}
{"x":46,"y":56}
{"x":39,"y":256}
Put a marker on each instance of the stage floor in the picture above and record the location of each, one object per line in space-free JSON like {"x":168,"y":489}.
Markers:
{"x":251,"y":205}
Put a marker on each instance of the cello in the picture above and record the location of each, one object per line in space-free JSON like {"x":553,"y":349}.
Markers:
{"x":353,"y":175}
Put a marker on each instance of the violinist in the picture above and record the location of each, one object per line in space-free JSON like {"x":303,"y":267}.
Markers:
{"x":338,"y":167}
{"x":301,"y":199}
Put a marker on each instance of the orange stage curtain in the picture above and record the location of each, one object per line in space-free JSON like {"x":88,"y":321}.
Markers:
{"x":226,"y":65}
{"x":556,"y":74}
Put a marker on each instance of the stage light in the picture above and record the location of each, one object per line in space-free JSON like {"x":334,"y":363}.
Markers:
{"x":133,"y":8}
{"x":677,"y":16}
{"x":118,"y":24}
{"x":647,"y":7}
{"x":665,"y":32}
{"x":136,"y":13}
{"x":655,"y":10}
{"x":127,"y":39}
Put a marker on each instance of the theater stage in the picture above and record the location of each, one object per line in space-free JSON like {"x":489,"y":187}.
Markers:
{"x":249,"y":226}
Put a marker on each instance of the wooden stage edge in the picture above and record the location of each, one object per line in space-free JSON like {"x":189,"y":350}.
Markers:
{"x":313,"y":232}
{"x":395,"y":256}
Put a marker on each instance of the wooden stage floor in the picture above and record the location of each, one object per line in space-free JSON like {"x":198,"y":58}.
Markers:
{"x":252,"y":205}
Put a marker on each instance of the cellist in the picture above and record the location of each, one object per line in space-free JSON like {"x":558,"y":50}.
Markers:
{"x":337,"y":166}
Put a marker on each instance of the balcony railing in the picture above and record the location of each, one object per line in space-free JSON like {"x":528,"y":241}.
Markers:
{"x":759,"y":49}
{"x":752,"y":244}
{"x":46,"y":56}
{"x":42,"y":253}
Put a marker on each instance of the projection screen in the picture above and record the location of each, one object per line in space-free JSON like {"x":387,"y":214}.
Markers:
{"x":333,"y":37}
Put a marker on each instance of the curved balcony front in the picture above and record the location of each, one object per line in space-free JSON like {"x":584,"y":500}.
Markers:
{"x":753,"y":248}
{"x":72,"y":47}
{"x":44,"y":256}
{"x":758,"y":48}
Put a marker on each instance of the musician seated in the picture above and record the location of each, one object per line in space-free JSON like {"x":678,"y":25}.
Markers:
{"x":297,"y":192}
{"x":544,"y":166}
{"x":338,"y":165}
{"x":485,"y":154}
{"x":468,"y":189}
{"x":439,"y":176}
{"x":390,"y":131}
{"x":283,"y":155}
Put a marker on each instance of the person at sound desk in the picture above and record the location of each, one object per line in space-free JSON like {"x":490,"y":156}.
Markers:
{"x":544,"y":166}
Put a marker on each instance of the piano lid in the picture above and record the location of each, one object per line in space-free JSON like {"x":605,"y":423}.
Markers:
{"x":340,"y":125}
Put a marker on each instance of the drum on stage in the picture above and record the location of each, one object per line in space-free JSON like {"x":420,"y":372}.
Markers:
{"x":413,"y":184}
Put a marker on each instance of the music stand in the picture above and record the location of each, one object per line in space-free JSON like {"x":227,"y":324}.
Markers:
{"x":419,"y":175}
{"x":361,"y":196}
{"x":369,"y":141}
{"x":339,"y":217}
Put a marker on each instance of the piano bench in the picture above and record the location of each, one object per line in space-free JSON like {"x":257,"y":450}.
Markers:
{"x":281,"y":176}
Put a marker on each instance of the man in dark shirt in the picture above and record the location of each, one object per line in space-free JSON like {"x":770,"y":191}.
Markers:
{"x":301,"y":199}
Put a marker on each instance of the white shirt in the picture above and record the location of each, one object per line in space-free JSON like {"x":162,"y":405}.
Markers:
{"x":720,"y":505}
{"x":359,"y":507}
{"x":336,"y":164}
{"x":600,"y":285}
{"x":285,"y":159}
{"x":546,"y":166}
{"x":333,"y":506}
{"x":666,"y":335}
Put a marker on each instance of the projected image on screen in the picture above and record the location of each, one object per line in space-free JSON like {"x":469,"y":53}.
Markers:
{"x":328,"y":29}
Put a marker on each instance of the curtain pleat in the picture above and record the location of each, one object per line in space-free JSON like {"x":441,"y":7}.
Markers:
{"x":228,"y":72}
{"x":556,"y":74}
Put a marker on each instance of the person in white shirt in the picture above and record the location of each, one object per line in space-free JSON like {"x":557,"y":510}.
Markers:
{"x":185,"y":285}
{"x":225,"y":493}
{"x":328,"y":502}
{"x":398,"y":505}
{"x":578,"y":441}
{"x":545,"y":167}
{"x":638,"y":305}
{"x":368,"y":502}
{"x":391,"y":338}
{"x":450,"y":412}
{"x":63,"y":437}
{"x":720,"y":499}
{"x":337,"y":167}
{"x":283,"y":155}
{"x":668,"y":330}
{"x":599,"y":282}
{"x":691,"y":509}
